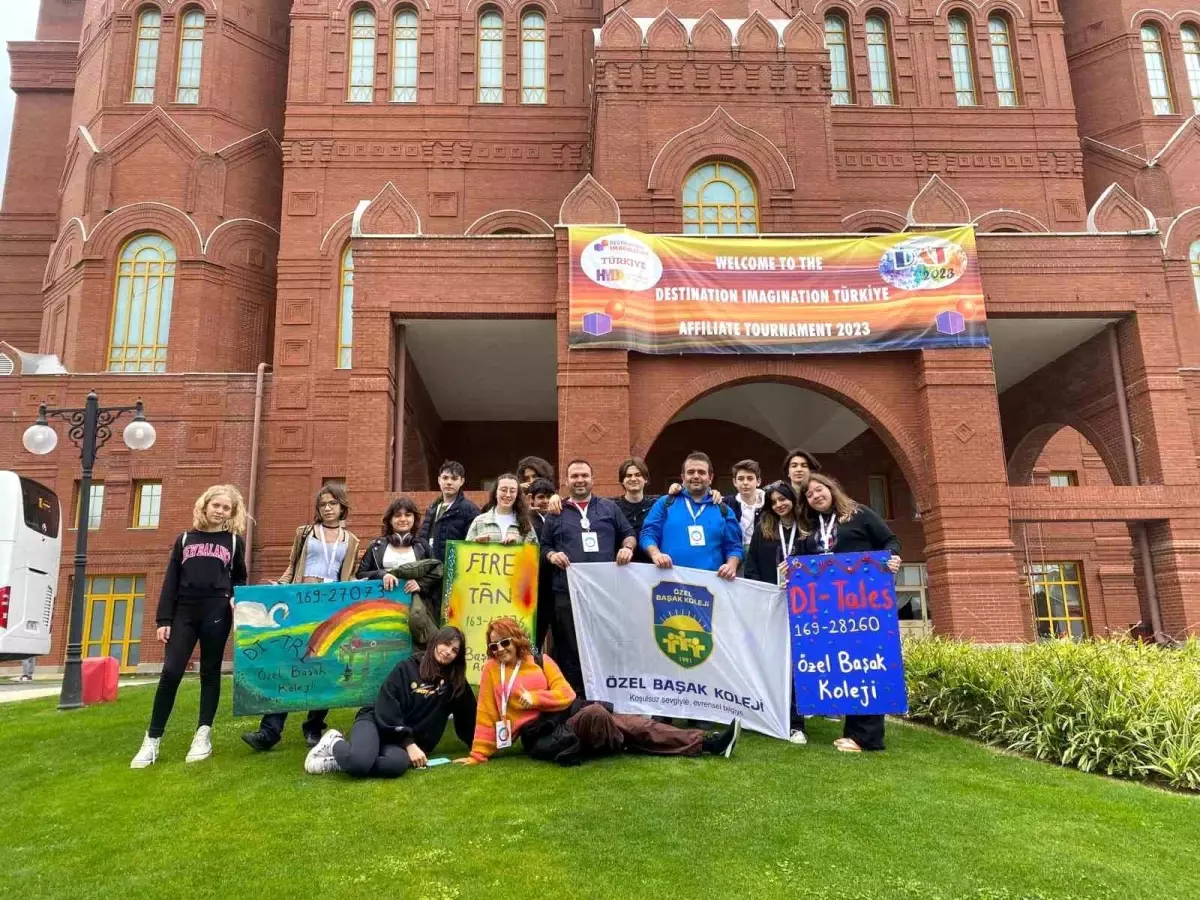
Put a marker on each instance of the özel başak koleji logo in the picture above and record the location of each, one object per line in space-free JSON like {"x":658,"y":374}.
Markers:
{"x":683,"y":622}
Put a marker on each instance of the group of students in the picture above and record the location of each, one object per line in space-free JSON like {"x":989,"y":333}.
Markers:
{"x":523,"y":691}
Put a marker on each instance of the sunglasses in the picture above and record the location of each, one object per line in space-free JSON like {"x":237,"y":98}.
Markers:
{"x":502,"y":644}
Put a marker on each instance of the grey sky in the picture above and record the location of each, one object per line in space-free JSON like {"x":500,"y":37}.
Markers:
{"x":16,"y":24}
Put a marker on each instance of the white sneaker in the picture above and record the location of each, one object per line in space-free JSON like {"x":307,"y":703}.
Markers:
{"x":737,"y":733}
{"x":320,"y":760}
{"x":797,"y":737}
{"x":148,"y":754}
{"x":201,"y":748}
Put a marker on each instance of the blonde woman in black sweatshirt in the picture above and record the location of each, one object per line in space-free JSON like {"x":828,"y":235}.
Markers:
{"x":195,"y":605}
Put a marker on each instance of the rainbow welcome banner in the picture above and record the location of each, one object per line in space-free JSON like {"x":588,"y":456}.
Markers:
{"x":483,"y":581}
{"x":748,"y":294}
{"x":315,"y":646}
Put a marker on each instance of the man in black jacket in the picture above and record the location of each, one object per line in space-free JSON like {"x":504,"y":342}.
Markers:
{"x":447,"y":520}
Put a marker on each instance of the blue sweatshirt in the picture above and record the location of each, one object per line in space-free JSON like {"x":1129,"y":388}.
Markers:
{"x":666,"y":527}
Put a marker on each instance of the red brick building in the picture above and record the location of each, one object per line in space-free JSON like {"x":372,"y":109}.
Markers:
{"x":324,"y":238}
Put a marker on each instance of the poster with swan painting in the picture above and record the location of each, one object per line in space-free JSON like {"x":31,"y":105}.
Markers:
{"x":315,"y":646}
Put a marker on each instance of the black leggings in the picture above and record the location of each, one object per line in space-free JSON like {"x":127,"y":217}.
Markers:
{"x":207,"y":622}
{"x":363,"y":756}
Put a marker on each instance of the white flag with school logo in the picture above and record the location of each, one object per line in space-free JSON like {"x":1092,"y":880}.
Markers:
{"x":682,"y":643}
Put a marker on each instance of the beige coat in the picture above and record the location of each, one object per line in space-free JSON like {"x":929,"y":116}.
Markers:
{"x":295,"y":569}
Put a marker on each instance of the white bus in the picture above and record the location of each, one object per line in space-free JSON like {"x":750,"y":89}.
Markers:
{"x":30,"y":551}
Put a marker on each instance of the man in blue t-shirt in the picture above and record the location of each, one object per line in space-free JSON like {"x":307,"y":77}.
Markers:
{"x":690,"y":529}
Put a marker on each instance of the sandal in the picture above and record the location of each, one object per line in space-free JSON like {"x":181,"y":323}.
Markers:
{"x":847,"y":745}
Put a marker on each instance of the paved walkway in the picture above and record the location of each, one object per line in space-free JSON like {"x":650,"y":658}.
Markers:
{"x":12,"y":690}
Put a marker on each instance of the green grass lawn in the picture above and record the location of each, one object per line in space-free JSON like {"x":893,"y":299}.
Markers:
{"x":932,"y":818}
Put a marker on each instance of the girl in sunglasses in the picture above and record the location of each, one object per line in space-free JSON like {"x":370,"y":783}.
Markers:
{"x":516,"y":687}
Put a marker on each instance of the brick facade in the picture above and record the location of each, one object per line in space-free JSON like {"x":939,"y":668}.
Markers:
{"x":1084,"y":199}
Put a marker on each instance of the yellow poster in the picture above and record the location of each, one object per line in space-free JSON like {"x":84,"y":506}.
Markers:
{"x":483,"y":581}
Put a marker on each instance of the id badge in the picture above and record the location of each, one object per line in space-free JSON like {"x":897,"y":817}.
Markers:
{"x":696,"y":535}
{"x":781,"y":578}
{"x":591,"y":542}
{"x":503,"y":734}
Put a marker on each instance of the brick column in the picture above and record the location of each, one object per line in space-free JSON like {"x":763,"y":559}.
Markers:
{"x":974,"y":584}
{"x":370,"y":410}
{"x":593,"y":398}
{"x":1175,"y":555}
{"x":1158,"y":407}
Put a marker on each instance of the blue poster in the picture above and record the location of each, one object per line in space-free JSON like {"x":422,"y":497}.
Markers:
{"x":315,"y":646}
{"x":845,"y":635}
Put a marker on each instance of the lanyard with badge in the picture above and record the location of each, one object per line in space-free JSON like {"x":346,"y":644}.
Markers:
{"x":591,"y":540}
{"x":329,"y":551}
{"x":695,"y":530}
{"x":828,"y":532}
{"x":788,"y":542}
{"x":504,"y":727}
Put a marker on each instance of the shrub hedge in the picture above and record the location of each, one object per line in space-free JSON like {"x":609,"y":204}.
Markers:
{"x":1122,"y":708}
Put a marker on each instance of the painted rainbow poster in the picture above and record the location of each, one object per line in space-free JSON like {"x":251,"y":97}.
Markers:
{"x":315,"y":646}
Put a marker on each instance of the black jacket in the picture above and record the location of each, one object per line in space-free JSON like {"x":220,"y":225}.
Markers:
{"x":410,"y":711}
{"x":864,"y":532}
{"x":212,"y":566}
{"x":450,"y":527}
{"x":763,"y":558}
{"x":371,"y":567}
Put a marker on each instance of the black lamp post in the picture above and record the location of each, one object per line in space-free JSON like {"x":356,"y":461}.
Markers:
{"x":89,"y":430}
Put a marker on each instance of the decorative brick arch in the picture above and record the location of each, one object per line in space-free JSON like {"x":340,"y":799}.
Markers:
{"x":243,"y":242}
{"x":666,"y":32}
{"x":720,"y":135}
{"x":846,"y":391}
{"x":1117,"y":211}
{"x":1009,"y":219}
{"x":117,"y":227}
{"x":1021,"y":461}
{"x":1184,"y":231}
{"x":67,"y":251}
{"x":866,"y":219}
{"x":589,"y":203}
{"x":505,"y":219}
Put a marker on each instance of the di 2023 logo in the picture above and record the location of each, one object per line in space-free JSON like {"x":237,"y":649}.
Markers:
{"x":621,"y":262}
{"x":923,"y":264}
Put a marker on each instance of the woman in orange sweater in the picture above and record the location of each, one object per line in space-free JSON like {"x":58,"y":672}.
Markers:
{"x":515,"y":688}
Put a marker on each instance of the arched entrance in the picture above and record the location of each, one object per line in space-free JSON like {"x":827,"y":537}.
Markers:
{"x":761,"y":419}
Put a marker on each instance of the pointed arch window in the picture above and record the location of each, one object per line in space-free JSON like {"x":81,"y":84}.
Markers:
{"x":145,"y":66}
{"x":719,"y":198}
{"x":362,"y":56}
{"x":1156,"y":70}
{"x":879,"y":61}
{"x":1003,"y":65}
{"x":191,"y":53}
{"x":405,"y":38}
{"x":491,"y":57}
{"x":346,"y":311}
{"x":1190,"y":38}
{"x":837,"y":42}
{"x":533,"y":57}
{"x":141,"y":322}
{"x":962,"y":61}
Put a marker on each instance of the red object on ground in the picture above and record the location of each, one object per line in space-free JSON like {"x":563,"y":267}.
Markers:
{"x":99,"y":680}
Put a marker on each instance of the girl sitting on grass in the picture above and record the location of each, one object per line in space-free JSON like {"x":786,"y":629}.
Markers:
{"x":408,"y":718}
{"x":196,"y":605}
{"x":515,"y":688}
